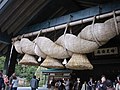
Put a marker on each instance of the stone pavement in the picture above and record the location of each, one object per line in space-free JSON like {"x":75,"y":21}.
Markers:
{"x":28,"y":88}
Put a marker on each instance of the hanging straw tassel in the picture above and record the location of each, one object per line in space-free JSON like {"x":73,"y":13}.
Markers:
{"x":27,"y":46}
{"x":18,"y":47}
{"x":79,"y":62}
{"x":29,"y":60}
{"x":51,"y":63}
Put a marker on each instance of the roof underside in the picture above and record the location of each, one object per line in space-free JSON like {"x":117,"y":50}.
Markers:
{"x":16,"y":14}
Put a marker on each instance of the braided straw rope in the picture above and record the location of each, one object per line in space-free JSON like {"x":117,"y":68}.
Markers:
{"x":87,"y":41}
{"x":18,"y":47}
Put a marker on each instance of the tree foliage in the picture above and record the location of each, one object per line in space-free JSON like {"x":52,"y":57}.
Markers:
{"x":2,"y":60}
{"x":25,"y":71}
{"x":21,"y":70}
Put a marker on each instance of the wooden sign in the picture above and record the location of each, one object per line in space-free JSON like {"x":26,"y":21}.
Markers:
{"x":106,"y":51}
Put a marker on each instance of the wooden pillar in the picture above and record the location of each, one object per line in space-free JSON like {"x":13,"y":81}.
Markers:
{"x":9,"y":66}
{"x":5,"y":70}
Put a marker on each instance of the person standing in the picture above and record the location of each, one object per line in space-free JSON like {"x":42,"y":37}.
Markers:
{"x":10,"y":80}
{"x":90,"y":84}
{"x":103,"y":83}
{"x":109,"y":85}
{"x":33,"y":83}
{"x":84,"y":86}
{"x":61,"y":85}
{"x":97,"y":85}
{"x":67,"y":84}
{"x":14,"y":83}
{"x":52,"y":84}
{"x":6,"y":82}
{"x":118,"y":83}
{"x":38,"y":79}
{"x":2,"y":75}
{"x":1,"y":81}
{"x":77,"y":85}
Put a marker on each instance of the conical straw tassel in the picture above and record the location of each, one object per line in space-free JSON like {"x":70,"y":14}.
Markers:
{"x":29,"y":60}
{"x":79,"y":62}
{"x":51,"y":63}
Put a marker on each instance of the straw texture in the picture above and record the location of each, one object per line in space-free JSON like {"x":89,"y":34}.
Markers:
{"x":51,"y":49}
{"x":27,"y":46}
{"x":102,"y":31}
{"x":38,"y":52}
{"x":18,"y":47}
{"x":77,"y":45}
{"x":79,"y":62}
{"x":29,"y":60}
{"x":51,"y":63}
{"x":61,"y":41}
{"x":89,"y":39}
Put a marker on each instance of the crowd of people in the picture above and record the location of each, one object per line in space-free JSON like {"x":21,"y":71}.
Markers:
{"x":11,"y":83}
{"x":68,"y":84}
{"x":62,"y":84}
{"x":6,"y":83}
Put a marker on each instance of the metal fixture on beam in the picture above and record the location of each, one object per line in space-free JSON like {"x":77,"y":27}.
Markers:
{"x":70,"y":24}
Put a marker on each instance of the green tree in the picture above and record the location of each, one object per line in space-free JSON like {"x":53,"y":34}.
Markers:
{"x":2,"y":60}
{"x":25,"y":71}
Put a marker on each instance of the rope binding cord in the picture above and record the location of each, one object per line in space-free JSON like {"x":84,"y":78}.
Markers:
{"x":93,"y":34}
{"x":37,"y":37}
{"x":73,"y":23}
{"x":39,"y":33}
{"x":68,"y":24}
{"x":116,"y":25}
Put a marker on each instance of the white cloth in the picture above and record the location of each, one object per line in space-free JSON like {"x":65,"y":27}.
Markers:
{"x":117,"y":86}
{"x":15,"y":83}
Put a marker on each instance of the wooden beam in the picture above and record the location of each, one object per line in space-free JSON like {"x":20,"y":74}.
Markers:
{"x":67,"y":4}
{"x":17,"y":14}
{"x":5,"y":38}
{"x":79,"y":15}
{"x":10,"y":10}
{"x":54,"y":28}
{"x":28,"y":15}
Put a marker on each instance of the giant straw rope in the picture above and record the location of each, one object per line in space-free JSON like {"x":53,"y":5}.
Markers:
{"x":68,"y":45}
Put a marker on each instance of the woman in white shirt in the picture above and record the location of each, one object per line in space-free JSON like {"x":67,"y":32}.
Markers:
{"x":14,"y":83}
